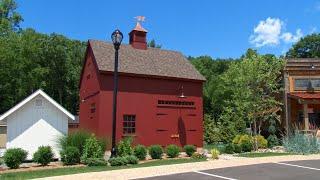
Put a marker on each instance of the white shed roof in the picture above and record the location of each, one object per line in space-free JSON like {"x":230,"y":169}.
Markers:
{"x":43,"y":94}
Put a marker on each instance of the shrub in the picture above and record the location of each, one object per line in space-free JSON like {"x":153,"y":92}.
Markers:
{"x":132,"y":159}
{"x":237,"y":148}
{"x":198,"y":156}
{"x":172,"y":151}
{"x":92,"y":149}
{"x":13,"y":157}
{"x":140,"y":152}
{"x":43,"y":155}
{"x":245,"y":139}
{"x":229,"y":149}
{"x":104,"y":143}
{"x":124,"y":147}
{"x":95,"y":162}
{"x":246,"y":146}
{"x":301,"y":144}
{"x":236,"y":139}
{"x":155,"y":151}
{"x":272,"y":140}
{"x":215,"y":153}
{"x":75,"y":139}
{"x":118,"y":161}
{"x":261,"y":141}
{"x":190,"y":149}
{"x":239,"y":139}
{"x":211,"y":130}
{"x":70,"y":156}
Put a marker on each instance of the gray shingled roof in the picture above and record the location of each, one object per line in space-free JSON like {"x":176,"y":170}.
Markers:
{"x":152,"y":61}
{"x":302,"y":63}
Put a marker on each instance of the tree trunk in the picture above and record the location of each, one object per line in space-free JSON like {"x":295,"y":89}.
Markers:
{"x":255,"y":134}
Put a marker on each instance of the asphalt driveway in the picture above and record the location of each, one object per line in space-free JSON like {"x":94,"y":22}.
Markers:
{"x":293,"y":170}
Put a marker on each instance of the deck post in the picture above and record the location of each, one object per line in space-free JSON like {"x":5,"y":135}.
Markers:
{"x":305,"y":116}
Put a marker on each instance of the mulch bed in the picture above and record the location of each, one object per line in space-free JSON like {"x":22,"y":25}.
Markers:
{"x":33,"y":167}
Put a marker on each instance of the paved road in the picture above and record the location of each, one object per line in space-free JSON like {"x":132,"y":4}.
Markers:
{"x":293,"y":170}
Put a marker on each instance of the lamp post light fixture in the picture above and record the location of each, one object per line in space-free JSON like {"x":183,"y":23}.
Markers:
{"x":116,"y":37}
{"x":182,"y":93}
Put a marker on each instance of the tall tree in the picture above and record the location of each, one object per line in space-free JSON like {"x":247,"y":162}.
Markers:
{"x":307,"y":47}
{"x":9,"y":18}
{"x":212,"y":94}
{"x":31,"y":60}
{"x":253,"y":85}
{"x":153,"y":44}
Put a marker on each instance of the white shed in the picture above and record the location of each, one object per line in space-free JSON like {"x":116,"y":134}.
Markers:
{"x":37,"y":120}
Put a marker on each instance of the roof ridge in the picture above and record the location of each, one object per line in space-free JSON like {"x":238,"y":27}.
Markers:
{"x":29,"y":98}
{"x":153,"y":61}
{"x":128,"y":45}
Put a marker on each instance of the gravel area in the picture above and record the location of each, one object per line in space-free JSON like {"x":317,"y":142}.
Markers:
{"x":224,"y":161}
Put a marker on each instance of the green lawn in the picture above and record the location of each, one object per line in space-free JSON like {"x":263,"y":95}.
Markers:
{"x":266,"y":154}
{"x":75,"y":170}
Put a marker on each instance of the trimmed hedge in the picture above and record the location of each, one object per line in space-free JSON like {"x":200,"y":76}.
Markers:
{"x":13,"y":157}
{"x":229,"y":149}
{"x":155,"y":151}
{"x":246,"y":146}
{"x":70,"y":156}
{"x":140,"y":152}
{"x":43,"y":155}
{"x":190,"y":149}
{"x":172,"y":151}
{"x":132,"y":159}
{"x":237,"y":148}
{"x":118,"y":161}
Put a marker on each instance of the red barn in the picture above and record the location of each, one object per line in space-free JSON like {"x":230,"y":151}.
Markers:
{"x":159,"y":97}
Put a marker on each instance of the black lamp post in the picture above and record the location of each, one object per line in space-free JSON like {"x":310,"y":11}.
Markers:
{"x":116,"y":40}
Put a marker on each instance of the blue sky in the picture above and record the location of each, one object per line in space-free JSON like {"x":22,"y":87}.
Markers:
{"x":220,"y":29}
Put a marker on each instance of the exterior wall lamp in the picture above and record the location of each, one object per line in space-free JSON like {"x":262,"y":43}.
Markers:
{"x":182,"y":93}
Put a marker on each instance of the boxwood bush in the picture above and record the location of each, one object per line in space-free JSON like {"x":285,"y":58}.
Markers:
{"x":237,"y":148}
{"x":70,"y":156}
{"x":13,"y":157}
{"x":140,"y":152}
{"x":118,"y":161}
{"x":189,"y":149}
{"x":172,"y":151}
{"x":132,"y":159}
{"x":229,"y":149}
{"x":43,"y":155}
{"x":155,"y":151}
{"x":246,"y":146}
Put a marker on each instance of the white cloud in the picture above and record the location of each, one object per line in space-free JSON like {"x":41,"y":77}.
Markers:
{"x":270,"y":33}
{"x":267,"y":32}
{"x":288,"y":37}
